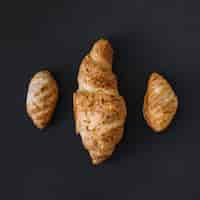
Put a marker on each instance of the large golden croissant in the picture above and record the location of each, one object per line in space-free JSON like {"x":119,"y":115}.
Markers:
{"x":99,"y":110}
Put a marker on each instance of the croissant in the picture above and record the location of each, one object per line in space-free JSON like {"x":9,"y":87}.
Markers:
{"x":160,"y":103}
{"x":41,"y":99}
{"x":99,"y":110}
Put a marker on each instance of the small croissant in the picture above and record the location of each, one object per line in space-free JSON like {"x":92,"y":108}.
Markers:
{"x":42,"y":98}
{"x":160,"y":103}
{"x":99,"y":110}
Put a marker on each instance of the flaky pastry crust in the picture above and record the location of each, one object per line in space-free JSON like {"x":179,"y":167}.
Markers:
{"x":42,"y":98}
{"x":99,"y":110}
{"x":160,"y":103}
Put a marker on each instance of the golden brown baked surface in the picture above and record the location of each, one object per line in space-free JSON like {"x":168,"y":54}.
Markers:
{"x":41,"y":99}
{"x":160,"y":103}
{"x":99,"y":110}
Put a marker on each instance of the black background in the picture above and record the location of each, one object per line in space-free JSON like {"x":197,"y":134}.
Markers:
{"x":147,"y":36}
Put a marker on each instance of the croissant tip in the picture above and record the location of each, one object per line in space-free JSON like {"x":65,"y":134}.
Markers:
{"x":97,"y":162}
{"x":103,"y":42}
{"x":103,"y":39}
{"x":44,"y":71}
{"x":155,"y":74}
{"x":40,"y":127}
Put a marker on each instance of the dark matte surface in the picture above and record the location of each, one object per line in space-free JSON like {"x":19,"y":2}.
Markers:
{"x":147,"y":36}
